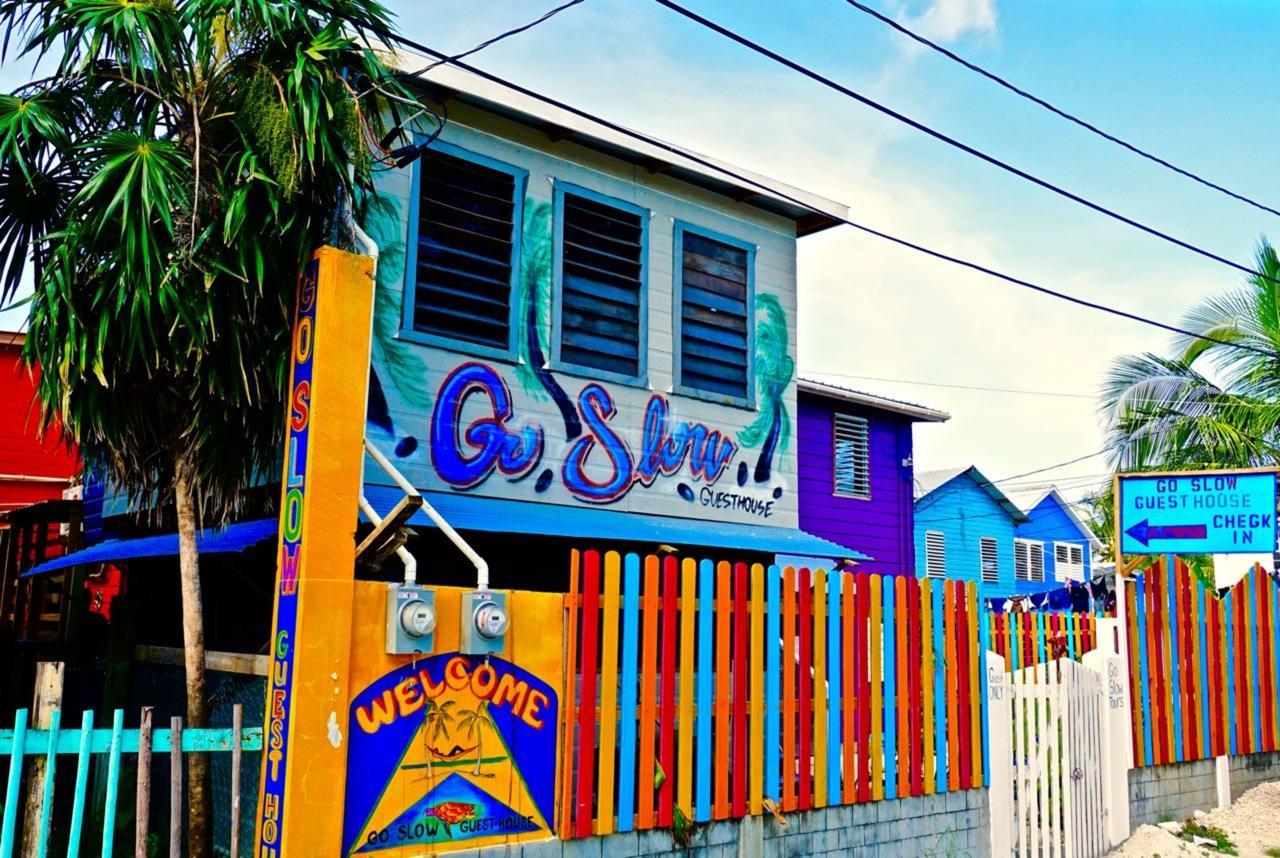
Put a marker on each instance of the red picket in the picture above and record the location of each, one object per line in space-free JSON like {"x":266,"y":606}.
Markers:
{"x":741,"y":624}
{"x":667,"y":688}
{"x":806,"y":690}
{"x":587,"y":702}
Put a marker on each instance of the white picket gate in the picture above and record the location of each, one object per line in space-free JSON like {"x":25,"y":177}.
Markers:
{"x":1058,"y":759}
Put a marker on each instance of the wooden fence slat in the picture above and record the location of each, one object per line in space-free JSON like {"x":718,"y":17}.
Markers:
{"x":773,"y":687}
{"x":1141,"y":611}
{"x":582,"y":818}
{"x":902,"y":684}
{"x":979,"y":692}
{"x":926,"y":688}
{"x":741,"y":667}
{"x":804,"y":768}
{"x":835,"y":682}
{"x":706,"y":618}
{"x":1252,"y":643}
{"x":608,"y":691}
{"x":756,"y":755}
{"x":1173,"y":632}
{"x":862,"y":669}
{"x":890,"y":693}
{"x":1202,"y":667}
{"x":1233,"y":703}
{"x":720,"y":803}
{"x":953,"y":693}
{"x":50,"y":777}
{"x":627,"y":721}
{"x":819,"y":636}
{"x":915,"y":729}
{"x":16,"y":762}
{"x":113,"y":785}
{"x":975,"y":696}
{"x":667,"y":691}
{"x":142,"y":793}
{"x":789,"y":689}
{"x":963,"y":668}
{"x":688,"y":631}
{"x":875,"y":691}
{"x":176,"y":806}
{"x":569,"y":716}
{"x":646,"y":761}
{"x":237,"y":729}
{"x":82,"y":780}
{"x":1275,"y":651}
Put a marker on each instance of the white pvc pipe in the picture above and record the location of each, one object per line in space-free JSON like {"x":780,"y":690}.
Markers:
{"x":406,"y":556}
{"x":482,"y":567}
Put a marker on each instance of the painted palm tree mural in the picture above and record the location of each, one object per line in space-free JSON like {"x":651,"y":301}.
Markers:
{"x":437,"y":721}
{"x":774,"y":367}
{"x":475,"y":722}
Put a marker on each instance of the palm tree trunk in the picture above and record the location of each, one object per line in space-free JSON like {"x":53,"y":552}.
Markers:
{"x":198,"y":799}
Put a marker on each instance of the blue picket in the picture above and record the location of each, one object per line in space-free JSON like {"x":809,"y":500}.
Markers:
{"x":939,"y":684}
{"x":890,"y":669}
{"x":15,"y":781}
{"x":833,"y":683}
{"x":706,"y":611}
{"x":1174,"y":621}
{"x":773,"y":689}
{"x":1228,"y":609}
{"x":630,"y":683}
{"x":82,"y":780}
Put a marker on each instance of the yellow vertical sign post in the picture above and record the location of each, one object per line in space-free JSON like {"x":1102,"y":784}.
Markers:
{"x":304,"y":754}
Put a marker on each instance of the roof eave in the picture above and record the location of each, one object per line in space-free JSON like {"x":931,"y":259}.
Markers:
{"x":917,"y":412}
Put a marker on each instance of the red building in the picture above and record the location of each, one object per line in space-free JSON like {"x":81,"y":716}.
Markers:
{"x":31,"y":469}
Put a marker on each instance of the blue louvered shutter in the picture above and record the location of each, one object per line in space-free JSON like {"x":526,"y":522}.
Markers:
{"x":601,"y":304}
{"x":466,"y":232}
{"x":852,"y":459}
{"x":714,"y":326}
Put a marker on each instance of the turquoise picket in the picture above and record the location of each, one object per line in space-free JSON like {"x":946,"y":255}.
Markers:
{"x":113,"y":785}
{"x":15,"y":782}
{"x":939,"y":695}
{"x":50,"y":771}
{"x":82,"y":780}
{"x":1143,"y":669}
{"x":706,"y":608}
{"x":890,"y":667}
{"x":1040,"y":637}
{"x":1175,"y":624}
{"x":773,"y":691}
{"x":630,"y":687}
{"x":834,"y":701}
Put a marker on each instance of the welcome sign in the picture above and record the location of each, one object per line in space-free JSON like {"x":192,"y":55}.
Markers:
{"x":449,"y":751}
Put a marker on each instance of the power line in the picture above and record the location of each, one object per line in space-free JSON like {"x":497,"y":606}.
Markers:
{"x":783,"y":195}
{"x":1070,"y":117}
{"x":957,"y":144}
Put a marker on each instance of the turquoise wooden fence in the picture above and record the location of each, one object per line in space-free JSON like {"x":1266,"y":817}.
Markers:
{"x":22,"y":744}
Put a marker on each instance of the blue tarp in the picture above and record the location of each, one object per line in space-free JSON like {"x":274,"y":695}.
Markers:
{"x":234,"y":537}
{"x":468,"y":512}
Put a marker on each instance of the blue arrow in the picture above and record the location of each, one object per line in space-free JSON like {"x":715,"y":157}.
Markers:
{"x":1144,"y":532}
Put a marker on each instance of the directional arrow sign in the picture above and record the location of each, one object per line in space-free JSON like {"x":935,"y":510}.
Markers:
{"x":1144,"y":532}
{"x":1210,"y":512}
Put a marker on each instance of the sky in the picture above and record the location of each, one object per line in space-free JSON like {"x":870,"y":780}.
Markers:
{"x":1192,"y":81}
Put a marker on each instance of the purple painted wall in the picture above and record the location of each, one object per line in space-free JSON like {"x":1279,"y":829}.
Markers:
{"x":881,"y":526}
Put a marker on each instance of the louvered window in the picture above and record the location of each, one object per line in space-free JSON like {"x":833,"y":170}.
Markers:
{"x":1028,"y":560}
{"x":1069,"y":560}
{"x":852,"y":457}
{"x":935,"y":554}
{"x":467,"y":221}
{"x":715,"y":323}
{"x":989,"y":557}
{"x":602,"y":286}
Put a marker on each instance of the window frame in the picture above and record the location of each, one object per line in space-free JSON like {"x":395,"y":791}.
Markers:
{"x":835,"y":482}
{"x":983,"y":541}
{"x":559,"y":364}
{"x":412,"y":226}
{"x":942,"y":537}
{"x":1077,"y":568}
{"x":1018,"y":540}
{"x":678,"y":230}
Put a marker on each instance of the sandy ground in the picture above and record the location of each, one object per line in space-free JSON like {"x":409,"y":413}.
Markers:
{"x":1252,"y":824}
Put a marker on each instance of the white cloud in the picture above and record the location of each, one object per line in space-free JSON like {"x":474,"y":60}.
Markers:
{"x":951,"y":20}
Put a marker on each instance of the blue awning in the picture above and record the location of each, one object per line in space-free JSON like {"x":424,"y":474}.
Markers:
{"x":232,"y":538}
{"x":468,"y":512}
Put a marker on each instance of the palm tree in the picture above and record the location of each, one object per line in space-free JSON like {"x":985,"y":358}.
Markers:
{"x":475,"y":722}
{"x":1212,"y":403}
{"x":163,"y":186}
{"x":437,"y":718}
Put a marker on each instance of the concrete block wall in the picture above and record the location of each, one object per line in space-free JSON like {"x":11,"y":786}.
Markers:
{"x":949,"y":824}
{"x":1176,"y":791}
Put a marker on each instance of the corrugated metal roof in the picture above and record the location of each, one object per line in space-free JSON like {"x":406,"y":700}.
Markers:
{"x":1029,"y":498}
{"x":922,"y":413}
{"x":469,"y":512}
{"x":232,"y":538}
{"x":928,"y":482}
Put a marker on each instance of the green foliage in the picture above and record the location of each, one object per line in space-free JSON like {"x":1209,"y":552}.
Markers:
{"x":1170,"y":412}
{"x":1273,"y":852}
{"x":1221,"y":843}
{"x":534,"y":293}
{"x":165,"y":185}
{"x":774,"y":368}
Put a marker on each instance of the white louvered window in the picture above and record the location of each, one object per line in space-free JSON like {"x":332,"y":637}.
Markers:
{"x":935,"y":554}
{"x":852,"y":457}
{"x":1069,"y":560}
{"x":990,"y":559}
{"x":1028,"y":560}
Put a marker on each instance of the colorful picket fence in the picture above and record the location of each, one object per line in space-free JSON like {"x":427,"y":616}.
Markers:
{"x":1203,"y":671}
{"x":1028,"y":638}
{"x":711,"y":688}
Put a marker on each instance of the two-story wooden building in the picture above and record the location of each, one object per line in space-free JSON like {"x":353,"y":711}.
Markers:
{"x":581,"y":339}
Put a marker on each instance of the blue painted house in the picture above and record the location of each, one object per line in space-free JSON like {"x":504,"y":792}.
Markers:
{"x":1066,"y":541}
{"x":966,"y":528}
{"x":856,"y":474}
